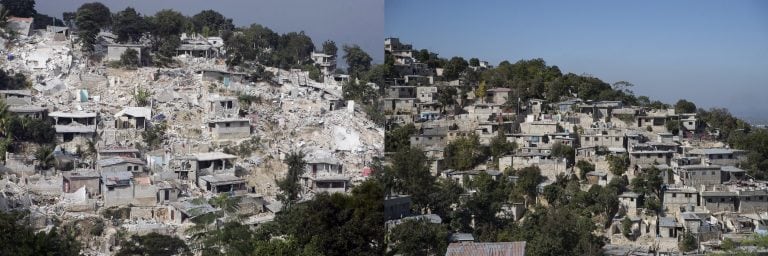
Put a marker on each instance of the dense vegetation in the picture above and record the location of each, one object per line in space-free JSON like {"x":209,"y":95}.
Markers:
{"x":18,"y":238}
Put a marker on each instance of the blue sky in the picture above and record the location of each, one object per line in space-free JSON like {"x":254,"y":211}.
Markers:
{"x":712,"y":52}
{"x":343,"y":21}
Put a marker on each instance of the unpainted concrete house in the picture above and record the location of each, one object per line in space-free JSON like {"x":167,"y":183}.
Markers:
{"x":133,"y":118}
{"x":209,"y":163}
{"x":28,"y":111}
{"x":219,"y":183}
{"x":71,"y":125}
{"x":117,"y":188}
{"x":681,"y":199}
{"x":113,"y":164}
{"x":326,"y":62}
{"x":16,"y":97}
{"x":698,"y":175}
{"x":115,"y":51}
{"x":74,"y":180}
{"x":225,"y":77}
{"x":325,"y":174}
{"x":229,"y":128}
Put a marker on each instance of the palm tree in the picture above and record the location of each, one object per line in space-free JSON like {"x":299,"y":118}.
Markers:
{"x":45,"y":158}
{"x":3,"y":16}
{"x":290,"y":184}
{"x":5,"y":117}
{"x":228,"y":204}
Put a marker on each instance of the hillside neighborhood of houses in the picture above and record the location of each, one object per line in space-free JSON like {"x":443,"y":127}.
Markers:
{"x":145,"y":149}
{"x":702,"y":191}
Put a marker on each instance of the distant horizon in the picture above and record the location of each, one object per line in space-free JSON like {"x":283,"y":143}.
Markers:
{"x":712,"y":53}
{"x":321,"y":21}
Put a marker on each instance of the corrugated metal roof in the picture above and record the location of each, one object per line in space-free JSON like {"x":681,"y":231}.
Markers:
{"x":486,"y":249}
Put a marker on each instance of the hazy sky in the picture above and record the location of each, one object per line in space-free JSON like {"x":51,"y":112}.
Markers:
{"x":712,"y":52}
{"x":343,"y":21}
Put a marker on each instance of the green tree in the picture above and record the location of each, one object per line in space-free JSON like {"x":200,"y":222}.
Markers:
{"x":168,"y":45}
{"x":90,"y":18}
{"x":289,"y":185}
{"x":584,"y":168}
{"x":19,"y":238}
{"x":44,"y":157}
{"x":648,"y":182}
{"x":329,"y":47}
{"x":419,"y":237}
{"x":474,"y":62}
{"x":154,"y":135}
{"x":499,"y":146}
{"x":20,"y":8}
{"x":167,"y":23}
{"x":338,"y":224}
{"x":464,"y":153}
{"x":212,"y":22}
{"x":528,"y":180}
{"x":154,"y":244}
{"x":129,"y":25}
{"x":564,"y":151}
{"x":358,"y":91}
{"x":409,"y":174}
{"x":673,"y":126}
{"x":129,"y":59}
{"x":688,"y":242}
{"x":618,"y":164}
{"x":626,"y":227}
{"x":398,"y":138}
{"x":481,"y":91}
{"x":358,"y":61}
{"x":454,"y":68}
{"x":446,"y":97}
{"x":684,"y":106}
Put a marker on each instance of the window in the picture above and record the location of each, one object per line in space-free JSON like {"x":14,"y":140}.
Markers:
{"x":730,"y":156}
{"x":616,"y":139}
{"x":760,"y":198}
{"x":748,"y":198}
{"x":111,"y":188}
{"x":227,"y":124}
{"x":660,"y":156}
{"x":648,"y":156}
{"x":709,"y":200}
{"x":687,"y":195}
{"x":597,"y":138}
{"x":129,"y":168}
{"x":690,"y":123}
{"x":713,"y":173}
{"x":586,"y":138}
{"x":674,"y":194}
{"x":722,"y":199}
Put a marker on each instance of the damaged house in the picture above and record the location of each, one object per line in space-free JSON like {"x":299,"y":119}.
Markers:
{"x":74,"y":180}
{"x":71,"y":125}
{"x":212,"y":171}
